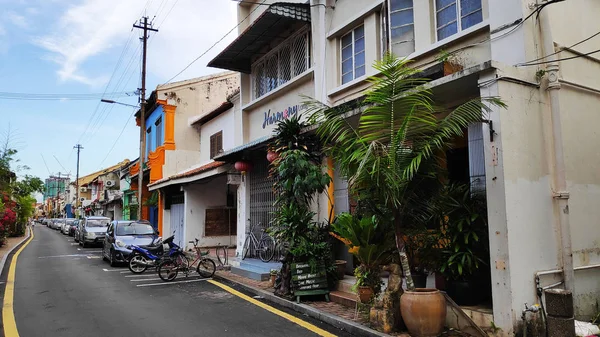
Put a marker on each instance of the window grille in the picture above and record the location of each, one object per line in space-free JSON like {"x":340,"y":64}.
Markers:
{"x":453,"y":16}
{"x":288,"y":60}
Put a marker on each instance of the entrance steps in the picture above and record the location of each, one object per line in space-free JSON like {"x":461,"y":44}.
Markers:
{"x":253,"y":269}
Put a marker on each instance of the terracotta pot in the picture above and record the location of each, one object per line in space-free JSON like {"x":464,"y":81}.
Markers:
{"x":273,"y":277}
{"x":365,"y":294}
{"x":341,"y":268}
{"x":424,"y":312}
{"x":451,"y":68}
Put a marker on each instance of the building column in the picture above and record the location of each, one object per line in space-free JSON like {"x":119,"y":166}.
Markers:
{"x":169,"y":134}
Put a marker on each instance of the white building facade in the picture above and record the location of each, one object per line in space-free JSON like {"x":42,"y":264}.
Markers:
{"x":536,"y":160}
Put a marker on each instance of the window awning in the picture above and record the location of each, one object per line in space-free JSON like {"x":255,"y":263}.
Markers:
{"x":268,"y":26}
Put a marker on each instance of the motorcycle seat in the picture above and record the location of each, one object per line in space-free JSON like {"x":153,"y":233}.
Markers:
{"x":153,"y":248}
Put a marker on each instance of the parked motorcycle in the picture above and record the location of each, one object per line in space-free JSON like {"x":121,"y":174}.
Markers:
{"x":143,"y":257}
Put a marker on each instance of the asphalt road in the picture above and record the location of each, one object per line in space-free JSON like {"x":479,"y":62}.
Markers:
{"x":64,"y":290}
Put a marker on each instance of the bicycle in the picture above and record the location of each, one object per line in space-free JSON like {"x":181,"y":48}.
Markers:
{"x":205,"y":267}
{"x":265,"y":244}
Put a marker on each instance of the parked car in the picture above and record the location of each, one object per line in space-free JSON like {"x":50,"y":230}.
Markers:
{"x":123,"y":233}
{"x":92,"y":230}
{"x":57,"y":223}
{"x":73,"y":227}
{"x":67,"y":225}
{"x":46,"y":222}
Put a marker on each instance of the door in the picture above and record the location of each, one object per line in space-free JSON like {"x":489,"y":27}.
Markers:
{"x":177,"y":223}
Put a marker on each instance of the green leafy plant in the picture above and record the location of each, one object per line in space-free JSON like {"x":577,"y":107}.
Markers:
{"x":395,"y":146}
{"x":299,"y":177}
{"x":462,"y":217}
{"x":371,"y":241}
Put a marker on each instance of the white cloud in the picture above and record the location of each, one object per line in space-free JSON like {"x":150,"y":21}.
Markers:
{"x":96,"y":27}
{"x":17,"y":20}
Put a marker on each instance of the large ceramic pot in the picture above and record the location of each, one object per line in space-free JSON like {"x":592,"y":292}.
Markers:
{"x":424,"y":312}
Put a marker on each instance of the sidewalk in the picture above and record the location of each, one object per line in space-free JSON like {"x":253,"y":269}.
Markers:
{"x":10,"y":245}
{"x":338,"y":315}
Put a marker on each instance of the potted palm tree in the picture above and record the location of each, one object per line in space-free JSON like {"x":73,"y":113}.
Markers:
{"x":371,"y":241}
{"x":392,"y":152}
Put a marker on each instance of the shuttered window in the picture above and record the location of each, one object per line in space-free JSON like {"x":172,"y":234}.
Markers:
{"x":216,"y":144}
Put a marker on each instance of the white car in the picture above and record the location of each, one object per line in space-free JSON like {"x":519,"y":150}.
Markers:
{"x":65,"y":226}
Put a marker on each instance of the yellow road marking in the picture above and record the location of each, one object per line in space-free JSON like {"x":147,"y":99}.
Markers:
{"x":8,"y":314}
{"x":277,"y":312}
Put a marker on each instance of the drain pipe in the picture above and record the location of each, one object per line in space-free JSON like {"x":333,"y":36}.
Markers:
{"x":561,"y":195}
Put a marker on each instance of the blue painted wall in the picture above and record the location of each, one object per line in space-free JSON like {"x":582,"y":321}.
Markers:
{"x":151,"y":141}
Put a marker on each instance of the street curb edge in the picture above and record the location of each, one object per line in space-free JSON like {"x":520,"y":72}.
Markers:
{"x":335,"y":321}
{"x":5,"y":257}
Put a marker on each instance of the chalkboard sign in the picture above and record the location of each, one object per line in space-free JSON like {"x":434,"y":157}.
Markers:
{"x":307,"y":281}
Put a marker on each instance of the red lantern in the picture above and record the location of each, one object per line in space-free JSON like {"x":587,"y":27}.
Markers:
{"x":272,"y":156}
{"x":243,"y":166}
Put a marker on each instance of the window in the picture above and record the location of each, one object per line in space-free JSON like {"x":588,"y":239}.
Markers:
{"x":453,"y":16}
{"x":288,"y":60}
{"x":216,"y":144}
{"x":148,"y":141}
{"x":159,"y":132}
{"x":399,"y":29}
{"x":353,"y":54}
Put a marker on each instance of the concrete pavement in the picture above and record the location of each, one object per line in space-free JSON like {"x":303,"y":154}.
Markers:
{"x":63,"y":290}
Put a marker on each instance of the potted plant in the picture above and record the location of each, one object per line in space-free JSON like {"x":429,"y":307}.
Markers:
{"x":340,"y":268}
{"x":423,"y":252}
{"x":450,"y":61}
{"x":273,"y":275}
{"x":371,"y":241}
{"x":464,"y":230}
{"x":367,"y":283}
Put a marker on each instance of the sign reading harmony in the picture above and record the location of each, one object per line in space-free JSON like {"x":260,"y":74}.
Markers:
{"x":274,"y":117}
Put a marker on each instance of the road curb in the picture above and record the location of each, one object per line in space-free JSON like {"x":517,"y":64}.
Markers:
{"x":338,"y":322}
{"x":5,"y":257}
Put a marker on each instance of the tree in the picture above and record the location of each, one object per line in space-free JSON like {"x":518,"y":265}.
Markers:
{"x":391,"y":155}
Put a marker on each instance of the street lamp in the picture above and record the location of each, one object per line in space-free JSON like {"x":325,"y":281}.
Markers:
{"x":142,"y":148}
{"x":110,"y":101}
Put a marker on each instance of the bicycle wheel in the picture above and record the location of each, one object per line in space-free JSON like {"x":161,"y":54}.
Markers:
{"x":182,"y":263}
{"x":167,"y":270}
{"x":138,"y":264}
{"x":266,"y":249}
{"x":246,"y":248}
{"x":206,"y":268}
{"x":222,"y":255}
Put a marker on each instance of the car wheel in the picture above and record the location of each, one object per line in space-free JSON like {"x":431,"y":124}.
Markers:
{"x":113,"y":263}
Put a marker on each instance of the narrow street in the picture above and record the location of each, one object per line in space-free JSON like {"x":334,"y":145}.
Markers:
{"x":64,"y":290}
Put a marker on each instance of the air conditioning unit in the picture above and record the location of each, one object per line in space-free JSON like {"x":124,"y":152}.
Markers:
{"x":83,"y":189}
{"x":110,"y":183}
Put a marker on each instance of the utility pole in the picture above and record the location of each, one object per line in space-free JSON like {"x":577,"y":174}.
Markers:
{"x":143,"y":24}
{"x":79,"y":148}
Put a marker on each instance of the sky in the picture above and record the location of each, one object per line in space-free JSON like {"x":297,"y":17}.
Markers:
{"x":78,"y":51}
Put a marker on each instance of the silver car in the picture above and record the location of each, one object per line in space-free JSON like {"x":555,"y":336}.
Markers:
{"x":66,"y":226}
{"x":92,"y":230}
{"x":57,"y":224}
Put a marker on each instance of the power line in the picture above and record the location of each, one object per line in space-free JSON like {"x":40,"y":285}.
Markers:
{"x":116,"y":140}
{"x":216,"y":43}
{"x":562,"y":59}
{"x":168,"y":13}
{"x":569,"y":47}
{"x":61,"y":165}
{"x":49,"y":173}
